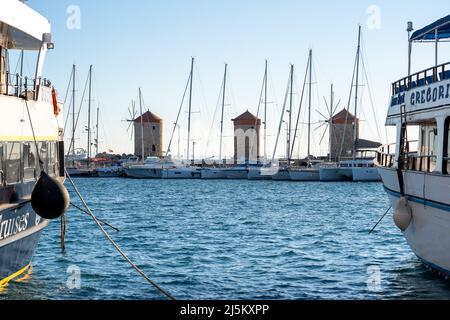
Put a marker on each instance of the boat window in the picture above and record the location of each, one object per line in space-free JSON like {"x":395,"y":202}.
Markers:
{"x":53,"y":164}
{"x":13,"y":162}
{"x":43,"y":153}
{"x":30,"y":161}
{"x":426,"y":159}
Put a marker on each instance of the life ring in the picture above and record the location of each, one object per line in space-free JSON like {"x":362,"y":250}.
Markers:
{"x":56,"y":109}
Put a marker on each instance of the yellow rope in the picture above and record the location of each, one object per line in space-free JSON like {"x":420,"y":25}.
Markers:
{"x":4,"y":282}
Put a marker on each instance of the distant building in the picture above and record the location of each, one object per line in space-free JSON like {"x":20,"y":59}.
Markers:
{"x":341,"y":134}
{"x":246,"y":138}
{"x":153,"y":135}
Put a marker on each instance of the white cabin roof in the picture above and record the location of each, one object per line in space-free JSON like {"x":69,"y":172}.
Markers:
{"x":21,"y":27}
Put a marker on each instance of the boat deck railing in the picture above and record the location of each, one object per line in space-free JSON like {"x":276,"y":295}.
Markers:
{"x":413,"y":161}
{"x":386,"y":155}
{"x":19,"y":86}
{"x":422,"y":78}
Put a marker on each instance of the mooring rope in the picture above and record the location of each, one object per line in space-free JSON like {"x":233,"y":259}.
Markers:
{"x":385,"y":214}
{"x":133,"y":265}
{"x":101,"y":221}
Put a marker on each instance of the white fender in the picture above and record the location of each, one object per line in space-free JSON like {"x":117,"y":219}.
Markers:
{"x":402,"y":214}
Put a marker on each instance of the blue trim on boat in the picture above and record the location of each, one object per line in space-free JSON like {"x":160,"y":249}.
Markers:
{"x":430,"y":203}
{"x":434,"y":267}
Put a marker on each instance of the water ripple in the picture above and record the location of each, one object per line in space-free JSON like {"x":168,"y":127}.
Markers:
{"x":230,"y":240}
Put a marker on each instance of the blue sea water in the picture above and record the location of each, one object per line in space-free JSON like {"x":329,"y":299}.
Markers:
{"x":230,"y":240}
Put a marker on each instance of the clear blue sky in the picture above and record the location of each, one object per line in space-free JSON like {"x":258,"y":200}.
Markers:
{"x":149,"y":44}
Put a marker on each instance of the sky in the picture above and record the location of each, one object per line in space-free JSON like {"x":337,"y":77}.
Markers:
{"x":149,"y":44}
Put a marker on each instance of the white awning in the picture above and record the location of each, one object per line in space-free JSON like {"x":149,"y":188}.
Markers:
{"x":23,"y":27}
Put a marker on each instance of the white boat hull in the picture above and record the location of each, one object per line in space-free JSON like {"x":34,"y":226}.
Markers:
{"x":282,"y":175}
{"x":213,"y":174}
{"x":428,"y":235}
{"x":332,"y":174}
{"x":305,"y":175}
{"x":181,"y":173}
{"x":365,"y":175}
{"x":260,"y":174}
{"x":143,"y":173}
{"x":237,"y":174}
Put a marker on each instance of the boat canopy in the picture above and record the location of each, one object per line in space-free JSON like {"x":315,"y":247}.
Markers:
{"x":21,"y":27}
{"x":435,"y":31}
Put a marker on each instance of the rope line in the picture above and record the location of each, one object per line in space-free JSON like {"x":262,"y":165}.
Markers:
{"x":165,"y":293}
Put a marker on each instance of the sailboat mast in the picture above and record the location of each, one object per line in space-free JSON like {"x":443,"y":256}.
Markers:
{"x":73,"y":110}
{"x":331,"y":120}
{"x":89,"y":115}
{"x":223,"y":109}
{"x":142,"y":127}
{"x":355,"y":123}
{"x":309,"y":106}
{"x":291,"y":93}
{"x":265,"y":110}
{"x":96,"y":131}
{"x":190,"y":109}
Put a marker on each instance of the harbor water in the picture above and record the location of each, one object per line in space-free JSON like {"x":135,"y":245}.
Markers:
{"x":230,"y":240}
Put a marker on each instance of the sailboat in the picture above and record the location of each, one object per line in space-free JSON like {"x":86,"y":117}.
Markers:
{"x":282,"y":173}
{"x":218,"y":172}
{"x":309,"y":173}
{"x":264,"y":172}
{"x":361,"y":167}
{"x":79,"y":160}
{"x":185,"y":171}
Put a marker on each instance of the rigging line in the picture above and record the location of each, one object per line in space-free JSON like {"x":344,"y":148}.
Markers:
{"x":108,"y":237}
{"x":178,"y":116}
{"x":65,"y":100}
{"x":202,"y":91}
{"x":101,"y":221}
{"x":102,"y":125}
{"x":41,"y":163}
{"x":348,"y":110}
{"x":300,"y":106}
{"x":280,"y":126}
{"x":68,"y":86}
{"x":214,"y":117}
{"x":67,"y":117}
{"x":252,"y":146}
{"x":371,"y":99}
{"x":79,"y":111}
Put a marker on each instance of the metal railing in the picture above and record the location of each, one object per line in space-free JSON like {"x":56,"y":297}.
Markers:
{"x":421,"y":163}
{"x":422,"y":78}
{"x":385,"y":157}
{"x":18,"y":86}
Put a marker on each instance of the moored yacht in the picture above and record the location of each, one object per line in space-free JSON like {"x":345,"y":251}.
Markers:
{"x":213,"y":173}
{"x":151,"y":168}
{"x":31,"y":136}
{"x":417,"y":181}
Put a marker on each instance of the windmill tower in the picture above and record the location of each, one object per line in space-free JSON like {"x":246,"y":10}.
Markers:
{"x":247,"y":138}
